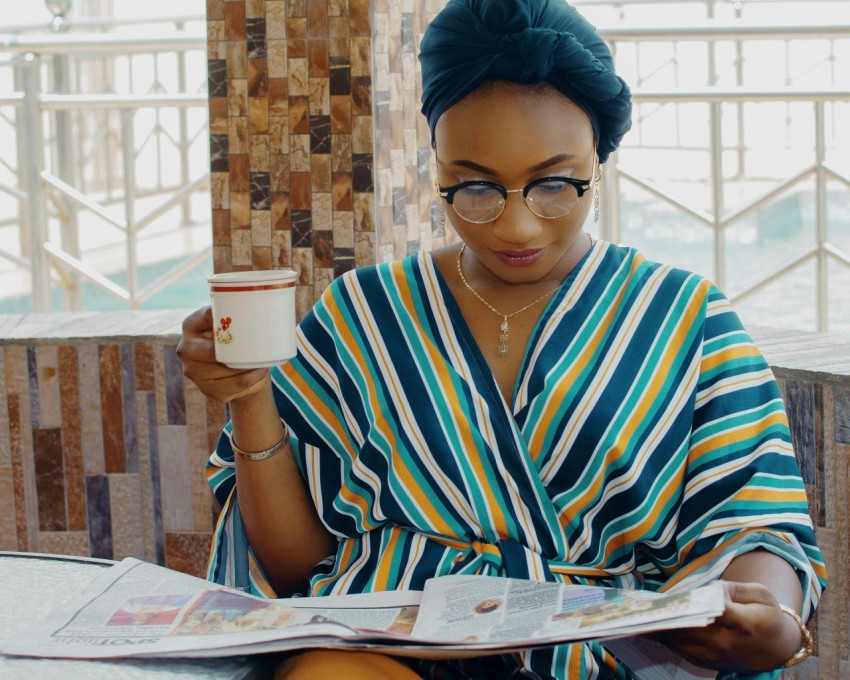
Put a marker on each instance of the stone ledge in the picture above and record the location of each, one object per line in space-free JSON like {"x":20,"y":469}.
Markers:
{"x":791,"y":353}
{"x":80,"y":327}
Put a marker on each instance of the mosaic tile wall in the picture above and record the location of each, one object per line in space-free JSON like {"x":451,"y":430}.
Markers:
{"x":102,"y":446}
{"x":819,"y":413}
{"x":319,"y":160}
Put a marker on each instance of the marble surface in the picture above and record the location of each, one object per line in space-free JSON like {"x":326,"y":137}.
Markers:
{"x":65,"y":327}
{"x":820,"y":354}
{"x":788,"y":349}
{"x":35,"y":586}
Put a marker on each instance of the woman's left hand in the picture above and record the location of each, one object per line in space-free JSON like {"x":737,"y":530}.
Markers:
{"x":752,"y":634}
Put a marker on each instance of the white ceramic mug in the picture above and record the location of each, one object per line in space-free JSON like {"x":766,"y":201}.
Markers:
{"x":253,"y":317}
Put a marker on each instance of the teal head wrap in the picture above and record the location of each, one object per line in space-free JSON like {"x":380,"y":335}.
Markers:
{"x":523,"y":41}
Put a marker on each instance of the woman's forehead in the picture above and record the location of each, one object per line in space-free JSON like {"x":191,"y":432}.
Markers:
{"x":514,"y":119}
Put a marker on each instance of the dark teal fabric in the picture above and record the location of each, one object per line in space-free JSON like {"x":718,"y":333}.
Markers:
{"x":523,"y":41}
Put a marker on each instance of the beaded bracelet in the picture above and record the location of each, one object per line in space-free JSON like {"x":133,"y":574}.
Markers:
{"x":261,"y":455}
{"x":809,"y":644}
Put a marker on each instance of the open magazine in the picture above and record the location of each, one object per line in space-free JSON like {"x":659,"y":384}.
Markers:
{"x":137,"y":609}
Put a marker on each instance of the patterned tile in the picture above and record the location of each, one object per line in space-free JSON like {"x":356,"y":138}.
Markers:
{"x":174,"y":399}
{"x":125,"y":492}
{"x":5,"y":446}
{"x":99,"y":516}
{"x":75,"y":485}
{"x":64,"y":543}
{"x":187,"y":552}
{"x":47,"y":377}
{"x":49,"y":479}
{"x":114,"y":449}
{"x":175,"y":478}
{"x":8,"y":518}
{"x":842,"y":414}
{"x":91,"y":433}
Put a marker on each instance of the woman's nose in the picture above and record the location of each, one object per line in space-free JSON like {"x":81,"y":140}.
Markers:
{"x":516,"y":225}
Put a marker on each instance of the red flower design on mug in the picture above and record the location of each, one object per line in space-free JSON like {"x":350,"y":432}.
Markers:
{"x":222,"y":334}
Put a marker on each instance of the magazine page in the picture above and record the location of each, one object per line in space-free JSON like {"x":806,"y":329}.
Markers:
{"x":139,"y":609}
{"x":475,"y":609}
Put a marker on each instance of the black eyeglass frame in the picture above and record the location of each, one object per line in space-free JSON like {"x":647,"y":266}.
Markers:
{"x":580,"y":185}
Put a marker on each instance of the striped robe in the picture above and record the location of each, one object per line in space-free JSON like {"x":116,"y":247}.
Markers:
{"x":646,"y":444}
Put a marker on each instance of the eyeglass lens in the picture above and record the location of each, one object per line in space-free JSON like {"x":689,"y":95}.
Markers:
{"x":548,"y":200}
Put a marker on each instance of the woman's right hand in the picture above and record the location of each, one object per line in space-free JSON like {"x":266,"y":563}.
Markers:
{"x":196,"y":350}
{"x":268,"y":489}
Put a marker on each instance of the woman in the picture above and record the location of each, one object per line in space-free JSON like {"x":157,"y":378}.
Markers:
{"x":526,"y":403}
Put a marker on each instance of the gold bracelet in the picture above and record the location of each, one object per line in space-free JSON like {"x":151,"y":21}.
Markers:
{"x":808,"y":643}
{"x":261,"y":455}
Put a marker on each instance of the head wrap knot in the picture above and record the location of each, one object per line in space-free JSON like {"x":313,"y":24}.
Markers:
{"x":523,"y":41}
{"x":527,"y":56}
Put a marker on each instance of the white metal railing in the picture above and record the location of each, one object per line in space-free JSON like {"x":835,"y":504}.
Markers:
{"x":90,"y":180}
{"x":63,"y":188}
{"x":717,"y":217}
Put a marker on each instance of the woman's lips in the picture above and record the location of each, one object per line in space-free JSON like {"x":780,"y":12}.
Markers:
{"x":519,"y":258}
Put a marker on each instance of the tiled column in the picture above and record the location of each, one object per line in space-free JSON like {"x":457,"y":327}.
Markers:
{"x":320,"y":159}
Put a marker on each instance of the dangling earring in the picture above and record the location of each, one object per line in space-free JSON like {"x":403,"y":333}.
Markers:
{"x":596,"y":195}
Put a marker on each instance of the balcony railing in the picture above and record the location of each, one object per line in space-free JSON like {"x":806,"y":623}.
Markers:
{"x":723,"y":191}
{"x":710,"y":213}
{"x":74,"y":182}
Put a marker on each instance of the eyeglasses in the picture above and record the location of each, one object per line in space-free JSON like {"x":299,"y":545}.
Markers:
{"x":548,"y":197}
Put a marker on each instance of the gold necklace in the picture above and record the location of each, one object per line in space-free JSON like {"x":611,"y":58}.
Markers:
{"x":504,"y":327}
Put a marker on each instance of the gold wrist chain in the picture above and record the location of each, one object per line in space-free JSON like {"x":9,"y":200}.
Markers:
{"x":808,"y":643}
{"x":261,"y":455}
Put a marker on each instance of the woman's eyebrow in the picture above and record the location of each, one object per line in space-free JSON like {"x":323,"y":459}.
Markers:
{"x":554,"y":160}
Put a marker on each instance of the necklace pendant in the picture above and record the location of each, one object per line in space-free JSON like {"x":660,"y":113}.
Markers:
{"x":503,"y":337}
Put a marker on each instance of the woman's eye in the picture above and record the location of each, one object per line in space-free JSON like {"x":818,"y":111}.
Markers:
{"x":551,"y":187}
{"x":477,"y":190}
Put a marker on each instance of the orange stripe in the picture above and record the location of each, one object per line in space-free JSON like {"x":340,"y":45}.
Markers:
{"x":636,"y":470}
{"x":576,"y":656}
{"x":341,"y":566}
{"x":728,"y":354}
{"x":771,"y":495}
{"x":259,"y":578}
{"x":726,"y":437}
{"x":354,"y":498}
{"x":382,"y":576}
